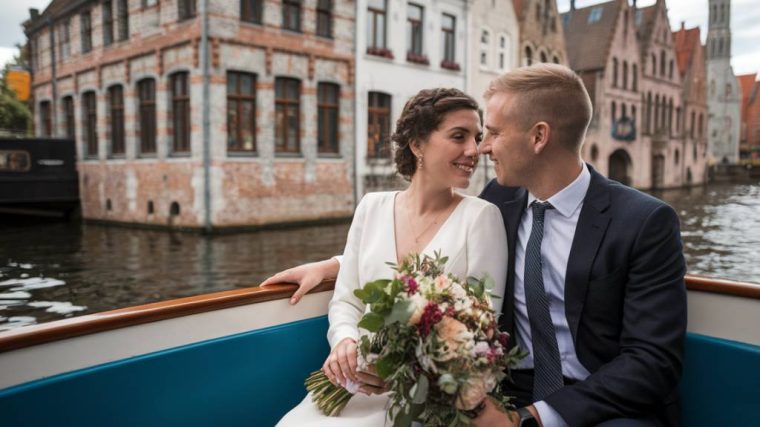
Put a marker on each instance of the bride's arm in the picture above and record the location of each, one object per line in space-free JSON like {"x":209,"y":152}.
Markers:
{"x":487,"y":251}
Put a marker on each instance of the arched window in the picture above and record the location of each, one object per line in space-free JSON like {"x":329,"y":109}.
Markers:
{"x":613,"y":112}
{"x":649,"y":112}
{"x":614,"y":72}
{"x":691,"y":125}
{"x":677,"y":156}
{"x":662,"y":63}
{"x":635,"y":82}
{"x":654,"y":64}
{"x":555,"y":59}
{"x":656,"y":112}
{"x":485,"y":47}
{"x":623,"y":111}
{"x":625,"y":74}
{"x":543,"y":57}
{"x":528,"y":59}
{"x":701,"y":125}
{"x":720,"y":46}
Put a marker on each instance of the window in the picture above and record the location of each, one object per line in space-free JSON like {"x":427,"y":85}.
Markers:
{"x":68,"y":117}
{"x":691,"y":124}
{"x":324,"y":18}
{"x":251,"y":10}
{"x":328,"y":96}
{"x":46,"y":124}
{"x":635,"y":79}
{"x":116,"y":116}
{"x":623,"y":111}
{"x":287,"y":135}
{"x":614,"y":72}
{"x":146,"y":94}
{"x":123,"y":14}
{"x":528,"y":60}
{"x":291,"y":15}
{"x":633,"y":114}
{"x":485,"y":46}
{"x":448,"y":30}
{"x":649,"y":112}
{"x":625,"y":74}
{"x":662,"y":63}
{"x":595,"y":15}
{"x":701,"y":125}
{"x":654,"y":64}
{"x":180,"y":109}
{"x":414,"y":29}
{"x":502,"y":45}
{"x":241,"y":112}
{"x":670,"y":70}
{"x":379,"y":126}
{"x":186,"y":9}
{"x":376,"y":24}
{"x":543,"y":57}
{"x":613,"y":113}
{"x":14,"y":161}
{"x":85,"y":24}
{"x":107,"y":23}
{"x":90,"y":120}
{"x":64,"y":37}
{"x":555,"y":59}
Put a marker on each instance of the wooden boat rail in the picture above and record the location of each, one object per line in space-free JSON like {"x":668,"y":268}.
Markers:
{"x":109,"y":320}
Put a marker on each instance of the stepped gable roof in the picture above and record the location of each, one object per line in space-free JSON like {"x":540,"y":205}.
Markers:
{"x":644,"y":20}
{"x":588,"y":43}
{"x":686,"y":42}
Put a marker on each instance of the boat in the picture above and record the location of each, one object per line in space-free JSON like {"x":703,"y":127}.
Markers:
{"x":239,"y":358}
{"x":38,"y":177}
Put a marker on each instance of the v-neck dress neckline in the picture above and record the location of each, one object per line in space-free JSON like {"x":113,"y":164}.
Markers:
{"x":435,"y":237}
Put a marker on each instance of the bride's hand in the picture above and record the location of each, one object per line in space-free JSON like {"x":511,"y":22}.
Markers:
{"x":307,"y":276}
{"x":341,"y":363}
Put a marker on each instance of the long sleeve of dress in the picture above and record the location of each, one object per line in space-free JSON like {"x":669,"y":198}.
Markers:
{"x":487,"y":251}
{"x":345,"y":309}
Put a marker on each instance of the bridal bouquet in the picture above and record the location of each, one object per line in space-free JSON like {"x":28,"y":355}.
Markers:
{"x":434,"y":340}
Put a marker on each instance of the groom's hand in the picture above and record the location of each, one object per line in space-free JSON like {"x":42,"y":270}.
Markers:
{"x":371,"y":383}
{"x":494,"y":416}
{"x":341,"y":363}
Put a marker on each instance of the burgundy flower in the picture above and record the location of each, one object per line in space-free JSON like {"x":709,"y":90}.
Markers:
{"x":411,"y":285}
{"x":430,"y":317}
{"x":504,"y":339}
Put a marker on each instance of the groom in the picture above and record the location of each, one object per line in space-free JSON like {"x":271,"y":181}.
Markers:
{"x":595,"y":288}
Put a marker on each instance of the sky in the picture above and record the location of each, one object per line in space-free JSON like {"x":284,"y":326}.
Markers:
{"x":745,"y":23}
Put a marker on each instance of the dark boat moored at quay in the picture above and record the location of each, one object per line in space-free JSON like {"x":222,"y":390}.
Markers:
{"x":240,"y":357}
{"x":38,"y":177}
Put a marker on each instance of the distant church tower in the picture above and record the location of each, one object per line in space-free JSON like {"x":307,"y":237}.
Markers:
{"x":723,"y":91}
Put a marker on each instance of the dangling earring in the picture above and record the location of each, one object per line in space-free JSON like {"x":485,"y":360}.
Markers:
{"x":419,"y":162}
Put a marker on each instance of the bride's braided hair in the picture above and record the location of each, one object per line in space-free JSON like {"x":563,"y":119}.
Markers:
{"x":422,"y":114}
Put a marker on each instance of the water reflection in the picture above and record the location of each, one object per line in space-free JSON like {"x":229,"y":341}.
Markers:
{"x":56,"y":270}
{"x":720,"y":226}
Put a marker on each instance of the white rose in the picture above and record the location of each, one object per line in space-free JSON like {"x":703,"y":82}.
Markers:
{"x":418,"y":303}
{"x":471,"y":393}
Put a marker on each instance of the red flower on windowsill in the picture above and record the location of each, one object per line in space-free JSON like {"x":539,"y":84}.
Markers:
{"x":450,"y":65}
{"x":417,"y":58}
{"x":380,"y":51}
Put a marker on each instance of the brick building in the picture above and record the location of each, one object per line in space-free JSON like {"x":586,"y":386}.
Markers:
{"x":691,"y":61}
{"x":661,"y":93}
{"x":541,"y":35}
{"x":246,"y":120}
{"x":602,"y":48}
{"x":749,"y":144}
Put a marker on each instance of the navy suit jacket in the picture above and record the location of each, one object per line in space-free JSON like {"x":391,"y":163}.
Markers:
{"x":625,"y":302}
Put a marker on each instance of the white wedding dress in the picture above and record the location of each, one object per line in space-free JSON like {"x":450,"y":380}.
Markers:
{"x":473,"y":238}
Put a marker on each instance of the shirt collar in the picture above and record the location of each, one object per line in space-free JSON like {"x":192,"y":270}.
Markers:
{"x":567,"y":200}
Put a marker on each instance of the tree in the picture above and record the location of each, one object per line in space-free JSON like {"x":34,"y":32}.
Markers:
{"x":15,"y":116}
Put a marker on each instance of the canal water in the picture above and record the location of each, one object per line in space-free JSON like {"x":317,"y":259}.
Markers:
{"x":55,"y":270}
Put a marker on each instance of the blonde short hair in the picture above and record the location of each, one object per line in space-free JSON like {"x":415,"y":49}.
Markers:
{"x":551,"y":93}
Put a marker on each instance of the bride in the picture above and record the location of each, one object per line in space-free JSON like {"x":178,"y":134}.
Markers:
{"x":436,"y":142}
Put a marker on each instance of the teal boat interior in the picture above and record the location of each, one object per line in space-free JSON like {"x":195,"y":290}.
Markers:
{"x":255,"y":377}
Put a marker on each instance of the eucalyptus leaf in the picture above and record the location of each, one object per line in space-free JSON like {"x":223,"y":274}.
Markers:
{"x":371,"y":322}
{"x":400,"y":313}
{"x":420,"y":390}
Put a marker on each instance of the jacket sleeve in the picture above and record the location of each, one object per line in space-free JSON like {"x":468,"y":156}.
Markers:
{"x":653,"y":327}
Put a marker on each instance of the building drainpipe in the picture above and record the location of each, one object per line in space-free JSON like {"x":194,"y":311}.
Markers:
{"x":53,"y":103}
{"x":206,"y":119}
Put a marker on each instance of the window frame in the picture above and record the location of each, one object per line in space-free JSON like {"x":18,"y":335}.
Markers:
{"x":373,"y":14}
{"x":90,"y":124}
{"x":285,"y":108}
{"x":325,"y":18}
{"x":186,"y":9}
{"x":107,"y":16}
{"x":240,"y":100}
{"x":328,"y":122}
{"x":116,"y":130}
{"x":180,"y":122}
{"x":122,"y":17}
{"x":291,"y":8}
{"x":378,"y":146}
{"x":415,"y":29}
{"x":85,"y":30}
{"x":146,"y":116}
{"x":69,"y":116}
{"x":448,"y":35}
{"x":46,"y":118}
{"x":252,"y":11}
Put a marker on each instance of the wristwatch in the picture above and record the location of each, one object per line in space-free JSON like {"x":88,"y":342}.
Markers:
{"x":526,"y":418}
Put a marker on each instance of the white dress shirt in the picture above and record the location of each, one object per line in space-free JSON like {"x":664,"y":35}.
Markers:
{"x":559,"y":231}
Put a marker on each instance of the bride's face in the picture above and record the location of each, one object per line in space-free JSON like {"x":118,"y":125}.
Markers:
{"x":450,"y":154}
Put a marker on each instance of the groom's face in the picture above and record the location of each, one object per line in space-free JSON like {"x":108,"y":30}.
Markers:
{"x":506,"y":141}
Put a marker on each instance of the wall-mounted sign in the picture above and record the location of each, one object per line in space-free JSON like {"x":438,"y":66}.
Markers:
{"x":624,"y":129}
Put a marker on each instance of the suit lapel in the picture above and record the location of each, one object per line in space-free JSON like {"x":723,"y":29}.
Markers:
{"x":512,"y":211}
{"x":592,"y":226}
